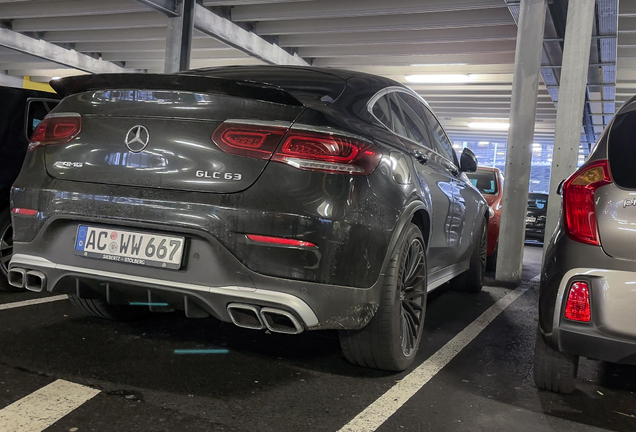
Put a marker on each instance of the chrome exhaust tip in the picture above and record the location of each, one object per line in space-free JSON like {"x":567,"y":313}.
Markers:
{"x":246,"y":316}
{"x":16,"y":277}
{"x":35,"y":281}
{"x":280,"y":321}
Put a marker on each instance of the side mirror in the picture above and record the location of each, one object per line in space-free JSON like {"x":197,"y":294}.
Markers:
{"x":468,"y":161}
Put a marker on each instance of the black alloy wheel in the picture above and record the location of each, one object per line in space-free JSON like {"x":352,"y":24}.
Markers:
{"x":483,"y":248}
{"x":6,"y":249}
{"x":412,"y":296}
{"x":391,"y":339}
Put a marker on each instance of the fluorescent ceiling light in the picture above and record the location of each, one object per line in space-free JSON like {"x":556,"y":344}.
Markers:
{"x":438,"y":64}
{"x":483,"y":142}
{"x":439,"y":79}
{"x":488,"y":126}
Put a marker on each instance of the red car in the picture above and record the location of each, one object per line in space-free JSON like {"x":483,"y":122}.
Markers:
{"x":489,"y":181}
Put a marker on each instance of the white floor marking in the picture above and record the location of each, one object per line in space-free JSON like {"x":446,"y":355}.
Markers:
{"x":42,"y":408}
{"x":386,"y":405}
{"x":537,"y":278}
{"x":33,"y":302}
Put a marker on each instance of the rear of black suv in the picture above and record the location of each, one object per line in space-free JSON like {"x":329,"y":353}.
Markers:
{"x":201,"y":217}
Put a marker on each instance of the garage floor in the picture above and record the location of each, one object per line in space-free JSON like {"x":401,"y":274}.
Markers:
{"x":254,"y":381}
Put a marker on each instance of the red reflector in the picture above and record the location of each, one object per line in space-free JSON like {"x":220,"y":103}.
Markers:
{"x":577,"y":307}
{"x":578,"y":201}
{"x":279,"y":241}
{"x":248,"y":140}
{"x":56,"y":129}
{"x":23,"y":211}
{"x":318,"y":151}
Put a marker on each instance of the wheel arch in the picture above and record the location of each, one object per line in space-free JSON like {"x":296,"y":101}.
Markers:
{"x":422,"y":219}
{"x":415,"y":212}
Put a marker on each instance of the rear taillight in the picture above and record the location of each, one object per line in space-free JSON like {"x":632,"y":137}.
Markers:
{"x":578,"y":201}
{"x":303,"y":149}
{"x":279,"y":241}
{"x":248,"y":140}
{"x":58,"y":128}
{"x":24,"y":211}
{"x":577,"y":307}
{"x":318,"y":151}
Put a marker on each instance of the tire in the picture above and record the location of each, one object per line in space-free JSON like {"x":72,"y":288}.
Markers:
{"x":392,"y":337}
{"x":101,"y":309}
{"x":553,"y":370}
{"x":491,"y":261}
{"x":472,"y":279}
{"x":6,"y":249}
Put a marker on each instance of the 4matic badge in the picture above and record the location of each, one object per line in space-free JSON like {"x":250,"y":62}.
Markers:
{"x":65,"y":164}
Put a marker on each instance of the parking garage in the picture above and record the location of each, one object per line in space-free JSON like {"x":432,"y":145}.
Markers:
{"x":531,"y":88}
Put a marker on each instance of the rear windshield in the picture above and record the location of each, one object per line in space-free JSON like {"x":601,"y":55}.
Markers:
{"x":305,"y":85}
{"x":484,"y":181}
{"x":537,"y":201}
{"x":622,"y":149}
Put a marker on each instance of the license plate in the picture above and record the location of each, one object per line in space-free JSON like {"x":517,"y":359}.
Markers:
{"x":531,"y":219}
{"x":129,"y":247}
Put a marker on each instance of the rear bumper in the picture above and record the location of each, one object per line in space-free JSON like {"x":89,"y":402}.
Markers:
{"x":596,"y":346}
{"x":535,"y":233}
{"x":315,"y":306}
{"x":611,"y":333}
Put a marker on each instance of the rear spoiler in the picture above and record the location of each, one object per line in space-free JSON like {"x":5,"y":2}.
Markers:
{"x":190,"y":83}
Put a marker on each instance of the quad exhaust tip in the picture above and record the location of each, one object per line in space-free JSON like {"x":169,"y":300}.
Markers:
{"x":280,"y":321}
{"x":16,"y":277}
{"x":32,"y":280}
{"x":255,"y":318}
{"x":246,"y":316}
{"x":35,"y":281}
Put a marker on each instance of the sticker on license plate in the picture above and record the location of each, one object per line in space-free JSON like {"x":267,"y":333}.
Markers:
{"x":129,"y":247}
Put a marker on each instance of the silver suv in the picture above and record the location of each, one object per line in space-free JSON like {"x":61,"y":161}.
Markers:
{"x":587,"y":304}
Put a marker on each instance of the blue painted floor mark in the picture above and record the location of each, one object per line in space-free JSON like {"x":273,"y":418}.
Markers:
{"x":201,"y":351}
{"x":147,"y":304}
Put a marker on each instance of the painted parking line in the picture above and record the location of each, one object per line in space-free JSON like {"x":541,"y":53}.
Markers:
{"x":386,"y":405}
{"x":42,"y":408}
{"x":32,"y":302}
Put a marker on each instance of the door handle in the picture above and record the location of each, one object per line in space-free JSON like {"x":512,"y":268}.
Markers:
{"x":421,"y":157}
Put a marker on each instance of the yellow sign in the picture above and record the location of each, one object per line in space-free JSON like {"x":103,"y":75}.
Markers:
{"x":31,"y":85}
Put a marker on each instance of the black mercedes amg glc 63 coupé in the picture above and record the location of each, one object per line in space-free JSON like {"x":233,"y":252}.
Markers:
{"x":280,"y":198}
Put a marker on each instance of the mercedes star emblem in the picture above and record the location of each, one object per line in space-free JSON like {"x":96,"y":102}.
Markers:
{"x":137,"y":138}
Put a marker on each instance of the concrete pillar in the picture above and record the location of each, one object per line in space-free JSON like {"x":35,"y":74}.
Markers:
{"x":572,"y":89}
{"x":179,"y":37}
{"x":525,"y":86}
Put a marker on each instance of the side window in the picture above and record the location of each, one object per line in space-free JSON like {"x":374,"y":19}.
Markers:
{"x":415,"y":124}
{"x":444,"y":145}
{"x":381,"y":111}
{"x":37,"y":109}
{"x":396,"y":115}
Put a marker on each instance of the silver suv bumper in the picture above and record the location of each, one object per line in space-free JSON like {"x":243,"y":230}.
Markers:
{"x":611,"y":333}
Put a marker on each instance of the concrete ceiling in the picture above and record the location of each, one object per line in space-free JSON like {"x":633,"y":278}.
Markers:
{"x":394,"y":39}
